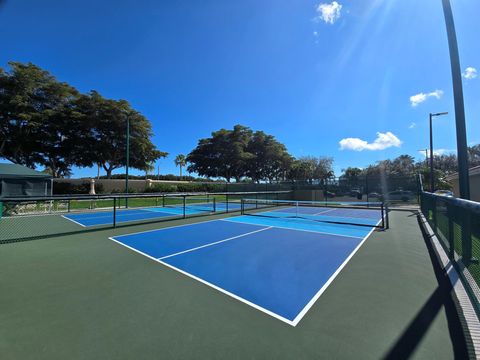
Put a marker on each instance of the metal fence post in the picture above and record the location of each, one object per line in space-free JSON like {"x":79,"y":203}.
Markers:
{"x":451,"y":244}
{"x":114,"y":212}
{"x":184,"y":206}
{"x":226,"y":197}
{"x":466,"y":237}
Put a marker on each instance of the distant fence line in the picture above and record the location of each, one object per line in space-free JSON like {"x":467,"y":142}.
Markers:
{"x":372,"y":188}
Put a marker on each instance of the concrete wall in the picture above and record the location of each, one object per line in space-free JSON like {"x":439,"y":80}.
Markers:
{"x":110,"y":185}
{"x":474,"y":187}
{"x":308,"y":195}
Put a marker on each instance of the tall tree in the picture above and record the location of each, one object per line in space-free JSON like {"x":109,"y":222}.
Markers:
{"x":269,"y":159}
{"x":180,"y":161}
{"x":403,"y":165}
{"x":351,"y":176}
{"x":474,"y":155}
{"x":224,"y":154}
{"x":107,"y":140}
{"x":299,"y":170}
{"x":311,"y":168}
{"x":38,"y":124}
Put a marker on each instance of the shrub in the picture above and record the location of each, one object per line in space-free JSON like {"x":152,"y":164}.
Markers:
{"x":65,"y":188}
{"x":158,"y":188}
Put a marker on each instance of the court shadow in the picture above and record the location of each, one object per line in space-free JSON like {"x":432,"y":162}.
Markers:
{"x":441,"y":298}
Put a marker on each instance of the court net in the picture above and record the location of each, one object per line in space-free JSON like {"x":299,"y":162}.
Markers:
{"x":345,"y":213}
{"x":203,"y":204}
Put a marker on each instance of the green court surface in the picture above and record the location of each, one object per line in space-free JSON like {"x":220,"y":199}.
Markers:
{"x":83,"y":296}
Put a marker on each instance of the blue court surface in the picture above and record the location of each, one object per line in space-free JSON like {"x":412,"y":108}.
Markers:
{"x":105,"y":217}
{"x":278,"y":266}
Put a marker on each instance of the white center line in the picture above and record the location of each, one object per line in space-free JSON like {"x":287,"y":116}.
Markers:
{"x":324,"y":211}
{"x":214,"y":243}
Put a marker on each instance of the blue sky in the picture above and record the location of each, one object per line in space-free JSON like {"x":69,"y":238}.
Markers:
{"x":326,"y":78}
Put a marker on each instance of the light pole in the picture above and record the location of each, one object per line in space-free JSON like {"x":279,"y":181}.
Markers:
{"x":463,"y":180}
{"x":432,"y":180}
{"x":426,"y":156}
{"x":127,"y":156}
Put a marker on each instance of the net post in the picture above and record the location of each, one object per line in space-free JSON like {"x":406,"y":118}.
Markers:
{"x":366,"y":189}
{"x":163,"y":200}
{"x":226,"y":200}
{"x":242,"y":206}
{"x":68,"y":205}
{"x":214,"y":205}
{"x":383,"y":215}
{"x":114,"y":212}
{"x":184,"y":206}
{"x":387,"y":217}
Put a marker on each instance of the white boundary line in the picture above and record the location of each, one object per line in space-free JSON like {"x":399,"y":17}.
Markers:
{"x":176,"y":226}
{"x":268,"y":312}
{"x":307,"y":307}
{"x":140,"y":232}
{"x":289,"y":228}
{"x":300,"y":315}
{"x":67,"y":218}
{"x":214,"y":243}
{"x":324,"y":211}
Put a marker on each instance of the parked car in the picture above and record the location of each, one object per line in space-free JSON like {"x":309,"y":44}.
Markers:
{"x":355,"y":192}
{"x":374,"y":195}
{"x":446,"y":193}
{"x":400,"y":195}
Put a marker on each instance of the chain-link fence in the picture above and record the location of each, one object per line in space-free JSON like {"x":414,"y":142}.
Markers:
{"x":30,"y":218}
{"x":396,"y":190}
{"x":456,"y":222}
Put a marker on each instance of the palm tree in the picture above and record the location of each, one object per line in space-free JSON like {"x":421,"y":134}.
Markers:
{"x":474,"y":155}
{"x":181,"y":161}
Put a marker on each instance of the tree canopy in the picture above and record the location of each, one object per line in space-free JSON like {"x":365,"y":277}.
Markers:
{"x":49,"y":123}
{"x":310,"y":168}
{"x":239,"y":153}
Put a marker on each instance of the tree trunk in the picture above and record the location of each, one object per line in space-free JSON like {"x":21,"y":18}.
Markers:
{"x":108,"y":170}
{"x":180,"y":172}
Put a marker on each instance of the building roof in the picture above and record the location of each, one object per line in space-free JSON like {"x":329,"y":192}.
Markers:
{"x":19,"y":171}
{"x":471,"y":172}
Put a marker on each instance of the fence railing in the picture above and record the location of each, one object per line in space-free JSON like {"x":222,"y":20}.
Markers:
{"x":37,"y":217}
{"x":398,"y":189}
{"x":456,"y":222}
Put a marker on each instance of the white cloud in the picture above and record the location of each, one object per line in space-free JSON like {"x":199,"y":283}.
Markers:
{"x":438,"y":152}
{"x":412,"y":125}
{"x":417,"y":99}
{"x":315,"y":33}
{"x":329,"y":13}
{"x":470,"y":73}
{"x":383,"y":141}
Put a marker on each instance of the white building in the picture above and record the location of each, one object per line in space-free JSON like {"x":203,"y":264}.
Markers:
{"x":474,"y":175}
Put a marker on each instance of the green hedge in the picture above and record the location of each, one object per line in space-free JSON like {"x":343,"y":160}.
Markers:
{"x":64,"y":188}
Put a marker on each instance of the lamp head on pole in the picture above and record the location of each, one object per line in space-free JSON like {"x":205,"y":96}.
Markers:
{"x":440,"y":113}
